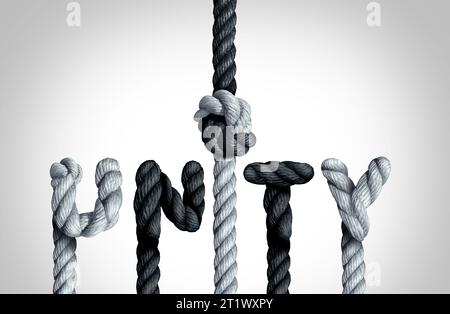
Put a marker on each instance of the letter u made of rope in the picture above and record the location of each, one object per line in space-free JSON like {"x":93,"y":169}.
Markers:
{"x":352,"y":202}
{"x":278,"y":177}
{"x":68,"y":224}
{"x":154,"y":190}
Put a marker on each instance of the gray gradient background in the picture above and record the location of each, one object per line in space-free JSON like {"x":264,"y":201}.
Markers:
{"x":321,"y":84}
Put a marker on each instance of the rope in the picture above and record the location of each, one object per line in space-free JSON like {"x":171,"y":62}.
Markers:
{"x":352,"y":202}
{"x":68,"y":224}
{"x":278,"y":180}
{"x":225,"y":123}
{"x":154,"y":190}
{"x":224,"y":50}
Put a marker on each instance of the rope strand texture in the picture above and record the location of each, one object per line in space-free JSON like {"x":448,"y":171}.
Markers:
{"x":154,"y":190}
{"x":278,"y":177}
{"x":353,"y":202}
{"x":68,"y":224}
{"x":225,"y":123}
{"x":224,"y":50}
{"x":231,"y":137}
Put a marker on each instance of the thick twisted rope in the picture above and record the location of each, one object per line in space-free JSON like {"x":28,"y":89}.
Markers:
{"x":154,"y":190}
{"x":225,"y":123}
{"x":278,"y":177}
{"x":224,"y":50}
{"x":69,"y":224}
{"x":226,"y":138}
{"x":353,"y":202}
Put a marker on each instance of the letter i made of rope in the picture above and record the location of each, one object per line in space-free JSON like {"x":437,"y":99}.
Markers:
{"x":278,"y":177}
{"x":352,"y":202}
{"x":225,"y":123}
{"x":154,"y":190}
{"x":68,"y":224}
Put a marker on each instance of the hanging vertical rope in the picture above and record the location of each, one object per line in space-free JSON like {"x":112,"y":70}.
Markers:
{"x":225,"y":123}
{"x":224,"y":50}
{"x":353,"y":202}
{"x":68,"y":224}
{"x":278,"y":178}
{"x":154,"y":190}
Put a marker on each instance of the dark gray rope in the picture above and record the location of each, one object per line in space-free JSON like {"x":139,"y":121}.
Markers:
{"x":225,"y":123}
{"x":278,"y":177}
{"x":154,"y":190}
{"x":224,"y":50}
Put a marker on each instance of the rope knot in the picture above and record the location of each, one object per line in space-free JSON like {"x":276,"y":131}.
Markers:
{"x":225,"y":123}
{"x":352,"y":200}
